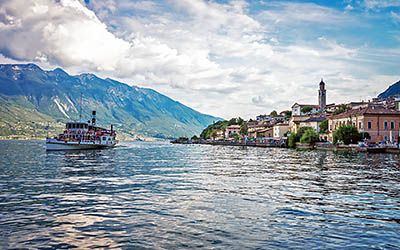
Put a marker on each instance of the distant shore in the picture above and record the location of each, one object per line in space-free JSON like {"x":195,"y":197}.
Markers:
{"x":299,"y":146}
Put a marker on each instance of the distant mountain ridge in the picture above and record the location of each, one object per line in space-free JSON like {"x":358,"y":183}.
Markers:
{"x":30,"y":95}
{"x":393,"y":90}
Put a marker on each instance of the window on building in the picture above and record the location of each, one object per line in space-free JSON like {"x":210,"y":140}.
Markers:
{"x":392,"y":125}
{"x":104,"y":138}
{"x":369,"y":125}
{"x":359,"y":125}
{"x":385,"y":125}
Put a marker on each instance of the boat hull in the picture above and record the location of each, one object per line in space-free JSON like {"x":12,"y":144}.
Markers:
{"x":61,"y":146}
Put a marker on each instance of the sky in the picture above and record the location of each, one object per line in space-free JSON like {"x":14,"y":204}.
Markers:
{"x":224,"y":58}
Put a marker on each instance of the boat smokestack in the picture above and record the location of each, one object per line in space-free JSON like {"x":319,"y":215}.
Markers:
{"x":94,"y":117}
{"x":112,"y":127}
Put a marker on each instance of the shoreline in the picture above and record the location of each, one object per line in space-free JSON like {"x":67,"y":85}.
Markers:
{"x":321,"y":147}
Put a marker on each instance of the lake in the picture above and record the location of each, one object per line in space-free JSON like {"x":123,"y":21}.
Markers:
{"x":155,"y":195}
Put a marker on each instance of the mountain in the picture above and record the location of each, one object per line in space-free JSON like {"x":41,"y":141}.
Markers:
{"x":393,"y":90}
{"x":31,"y":98}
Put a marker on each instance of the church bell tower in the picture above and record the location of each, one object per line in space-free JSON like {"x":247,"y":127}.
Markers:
{"x":322,"y":96}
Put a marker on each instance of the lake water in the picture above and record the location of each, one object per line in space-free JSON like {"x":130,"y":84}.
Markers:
{"x":159,"y":195}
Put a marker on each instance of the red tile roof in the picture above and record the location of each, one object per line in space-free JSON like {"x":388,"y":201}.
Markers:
{"x":366,"y":111}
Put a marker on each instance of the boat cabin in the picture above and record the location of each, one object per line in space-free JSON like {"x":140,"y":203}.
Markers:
{"x":77,"y":125}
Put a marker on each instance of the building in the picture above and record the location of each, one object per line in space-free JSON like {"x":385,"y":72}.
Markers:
{"x":219,"y":134}
{"x":397,"y":103}
{"x":232,"y":130}
{"x":280,"y":130}
{"x":297,"y":109}
{"x":294,"y":122}
{"x":312,"y":122}
{"x":322,"y":96}
{"x":264,"y":133}
{"x":278,"y":119}
{"x":254,"y":130}
{"x":263,"y":118}
{"x":380,"y":124}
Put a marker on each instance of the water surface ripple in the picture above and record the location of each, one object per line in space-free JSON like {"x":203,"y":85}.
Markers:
{"x":163,"y":196}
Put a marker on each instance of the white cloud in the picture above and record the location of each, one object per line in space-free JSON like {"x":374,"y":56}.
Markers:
{"x":287,"y":12}
{"x":64,"y":33}
{"x":217,"y":58}
{"x":349,"y":7}
{"x":395,"y":16}
{"x":372,"y":4}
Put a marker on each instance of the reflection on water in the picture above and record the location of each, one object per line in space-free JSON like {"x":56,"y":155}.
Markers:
{"x":158,"y":195}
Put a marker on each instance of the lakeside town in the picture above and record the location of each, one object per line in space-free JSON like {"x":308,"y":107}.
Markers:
{"x":371,"y":126}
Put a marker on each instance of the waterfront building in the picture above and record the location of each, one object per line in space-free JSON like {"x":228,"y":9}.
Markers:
{"x":280,"y":130}
{"x":313,"y":122}
{"x":294,"y":122}
{"x":264,"y":133}
{"x":381,"y":124}
{"x":232,"y":130}
{"x":254,"y":130}
{"x":219,"y":134}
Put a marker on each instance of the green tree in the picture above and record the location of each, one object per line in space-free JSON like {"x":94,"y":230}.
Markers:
{"x":292,"y":140}
{"x":219,"y":125}
{"x":214,"y":134}
{"x":306,"y":109}
{"x":243,"y":128}
{"x":309,"y":136}
{"x":287,"y":113}
{"x":233,"y":121}
{"x":301,"y":131}
{"x":274,"y":113}
{"x":341,"y":109}
{"x":347,"y":134}
{"x":323,"y":127}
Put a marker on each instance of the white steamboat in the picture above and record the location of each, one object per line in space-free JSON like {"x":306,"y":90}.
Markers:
{"x":83,"y":135}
